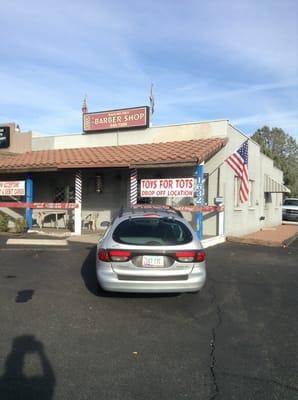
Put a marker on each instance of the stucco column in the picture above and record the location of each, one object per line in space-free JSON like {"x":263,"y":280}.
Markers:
{"x":78,"y":200}
{"x":221,"y":223}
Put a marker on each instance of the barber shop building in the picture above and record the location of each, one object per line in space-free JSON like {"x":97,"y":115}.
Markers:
{"x":75,"y":182}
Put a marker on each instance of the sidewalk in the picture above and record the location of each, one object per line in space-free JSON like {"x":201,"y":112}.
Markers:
{"x":279,"y":236}
{"x":88,"y":238}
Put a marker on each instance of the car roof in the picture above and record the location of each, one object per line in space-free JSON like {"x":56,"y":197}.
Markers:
{"x":142,"y":209}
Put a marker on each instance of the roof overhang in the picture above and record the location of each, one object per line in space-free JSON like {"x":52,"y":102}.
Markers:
{"x":191,"y":163}
{"x":272,"y":186}
{"x":148,"y":155}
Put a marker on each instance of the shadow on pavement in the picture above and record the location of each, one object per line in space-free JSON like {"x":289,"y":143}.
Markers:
{"x":14,"y":384}
{"x":88,"y":272}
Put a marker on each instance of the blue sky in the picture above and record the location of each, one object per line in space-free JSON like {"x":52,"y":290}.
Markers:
{"x":219,"y":59}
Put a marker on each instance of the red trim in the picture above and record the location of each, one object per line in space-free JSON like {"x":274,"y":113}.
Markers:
{"x":54,"y":206}
{"x":200,"y":208}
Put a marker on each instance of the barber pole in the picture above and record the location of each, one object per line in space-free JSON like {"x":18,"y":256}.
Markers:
{"x":78,"y":200}
{"x":133,"y":187}
{"x":78,"y":187}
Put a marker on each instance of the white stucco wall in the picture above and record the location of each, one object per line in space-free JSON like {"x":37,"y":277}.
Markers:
{"x":238,"y":220}
{"x":249,"y":218}
{"x":245,"y":218}
{"x":151,"y":135}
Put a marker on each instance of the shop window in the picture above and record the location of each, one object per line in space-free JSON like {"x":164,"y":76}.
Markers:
{"x":64,"y":194}
{"x":268,"y":198}
{"x":142,"y":200}
{"x":59,"y":195}
{"x":71,"y":194}
{"x":236,"y":191}
{"x":251,"y":195}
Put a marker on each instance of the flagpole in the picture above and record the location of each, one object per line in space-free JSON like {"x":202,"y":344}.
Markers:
{"x":151,"y":99}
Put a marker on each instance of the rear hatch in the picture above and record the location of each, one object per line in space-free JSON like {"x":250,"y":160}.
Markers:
{"x":161,"y":248}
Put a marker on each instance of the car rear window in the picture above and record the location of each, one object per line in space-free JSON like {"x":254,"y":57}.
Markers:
{"x":152,"y":232}
{"x":291,"y":202}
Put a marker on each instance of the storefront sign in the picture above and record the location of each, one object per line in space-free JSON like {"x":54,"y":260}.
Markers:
{"x":12,"y":188}
{"x":116,"y":119}
{"x":4,"y":137}
{"x":173,"y":187}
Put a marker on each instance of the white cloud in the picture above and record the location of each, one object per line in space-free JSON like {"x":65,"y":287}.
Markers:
{"x":287,"y":120}
{"x":210,"y":92}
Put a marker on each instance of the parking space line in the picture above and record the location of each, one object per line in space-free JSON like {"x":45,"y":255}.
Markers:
{"x":39,"y":249}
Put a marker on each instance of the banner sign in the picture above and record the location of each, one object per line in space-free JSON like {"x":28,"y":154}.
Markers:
{"x":204,"y":209}
{"x":116,"y":119}
{"x":172,"y":187}
{"x":12,"y":188}
{"x":54,"y":206}
{"x":200,"y":208}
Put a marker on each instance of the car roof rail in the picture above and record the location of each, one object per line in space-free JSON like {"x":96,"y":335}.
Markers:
{"x":156,"y":207}
{"x":121,"y":211}
{"x":176,"y":211}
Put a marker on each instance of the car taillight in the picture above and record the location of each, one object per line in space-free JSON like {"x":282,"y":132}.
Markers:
{"x":185,"y":256}
{"x":201,"y":256}
{"x":103,"y":255}
{"x":119,"y":255}
{"x":190,"y":256}
{"x":113,"y":255}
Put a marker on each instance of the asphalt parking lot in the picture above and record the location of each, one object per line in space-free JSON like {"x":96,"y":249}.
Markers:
{"x":61,"y":339}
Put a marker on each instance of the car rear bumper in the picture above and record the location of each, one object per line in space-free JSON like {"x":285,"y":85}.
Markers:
{"x":110,"y":281}
{"x":290,"y":213}
{"x":290,"y":217}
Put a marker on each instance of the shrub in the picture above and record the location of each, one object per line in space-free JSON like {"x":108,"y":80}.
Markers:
{"x":21,"y":225}
{"x":3,"y":223}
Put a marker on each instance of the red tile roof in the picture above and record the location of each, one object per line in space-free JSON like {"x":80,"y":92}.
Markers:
{"x":191,"y":151}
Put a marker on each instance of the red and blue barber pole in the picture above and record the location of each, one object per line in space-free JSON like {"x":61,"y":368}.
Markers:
{"x":29,"y":199}
{"x":199,"y":175}
{"x":133,"y":187}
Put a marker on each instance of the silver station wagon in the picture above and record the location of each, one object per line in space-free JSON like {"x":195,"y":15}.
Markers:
{"x":150,"y":249}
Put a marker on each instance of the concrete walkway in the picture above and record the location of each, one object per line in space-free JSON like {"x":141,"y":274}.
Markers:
{"x":91,"y":238}
{"x":279,"y":236}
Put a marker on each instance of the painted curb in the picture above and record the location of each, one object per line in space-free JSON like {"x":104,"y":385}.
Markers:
{"x":39,"y":242}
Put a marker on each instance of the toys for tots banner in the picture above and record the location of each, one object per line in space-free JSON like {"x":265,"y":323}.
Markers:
{"x":172,"y":187}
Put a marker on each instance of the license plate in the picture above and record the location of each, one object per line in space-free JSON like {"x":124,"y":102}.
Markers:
{"x":153,"y":261}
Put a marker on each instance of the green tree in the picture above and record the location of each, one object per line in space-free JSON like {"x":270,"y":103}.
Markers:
{"x":283,"y":149}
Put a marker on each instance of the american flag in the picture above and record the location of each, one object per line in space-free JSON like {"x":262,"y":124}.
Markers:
{"x":238,"y":161}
